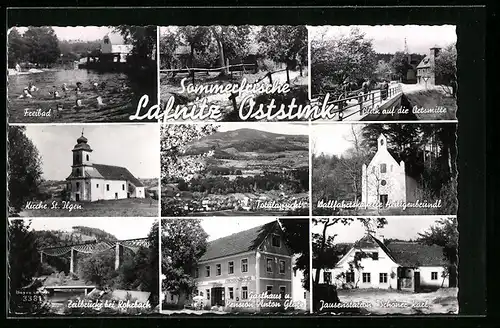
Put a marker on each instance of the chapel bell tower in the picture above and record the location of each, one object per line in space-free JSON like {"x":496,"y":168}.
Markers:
{"x":81,"y":157}
{"x":382,"y":142}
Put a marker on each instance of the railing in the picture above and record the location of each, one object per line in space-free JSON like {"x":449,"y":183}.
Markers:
{"x":365,"y":101}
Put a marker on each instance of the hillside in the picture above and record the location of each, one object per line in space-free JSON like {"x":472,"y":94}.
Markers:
{"x":248,"y":140}
{"x":79,"y":235}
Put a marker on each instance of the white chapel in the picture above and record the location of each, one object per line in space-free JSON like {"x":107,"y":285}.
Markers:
{"x":384,"y":179}
{"x":93,"y":182}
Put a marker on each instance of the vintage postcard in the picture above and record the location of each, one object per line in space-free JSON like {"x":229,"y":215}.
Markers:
{"x":235,"y":265}
{"x":77,"y":170}
{"x":235,"y":169}
{"x":377,"y":266}
{"x":80,"y":73}
{"x":83,"y":267}
{"x":233,"y":73}
{"x":384,"y":169}
{"x":385,"y":72}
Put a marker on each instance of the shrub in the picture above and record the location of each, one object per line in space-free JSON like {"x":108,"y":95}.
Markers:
{"x":99,"y":269}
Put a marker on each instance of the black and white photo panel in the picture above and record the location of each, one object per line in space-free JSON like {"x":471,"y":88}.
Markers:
{"x":80,"y":73}
{"x":384,"y":169}
{"x":235,"y":169}
{"x":233,"y":73}
{"x":385,"y":72}
{"x":385,"y":266}
{"x":83,"y":170}
{"x":83,"y":267}
{"x":235,"y":266}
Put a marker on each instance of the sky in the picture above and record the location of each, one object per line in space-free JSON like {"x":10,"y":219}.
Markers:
{"x":134,"y":146}
{"x":332,"y":139}
{"x":224,"y":226}
{"x":400,"y":227}
{"x":84,"y":33}
{"x":121,"y":228}
{"x":273,"y":127}
{"x":391,"y":38}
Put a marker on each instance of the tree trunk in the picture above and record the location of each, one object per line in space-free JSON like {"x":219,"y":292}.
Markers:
{"x":182,"y":298}
{"x":320,"y":256}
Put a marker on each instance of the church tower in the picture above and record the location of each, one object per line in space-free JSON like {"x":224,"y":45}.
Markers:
{"x":81,"y":170}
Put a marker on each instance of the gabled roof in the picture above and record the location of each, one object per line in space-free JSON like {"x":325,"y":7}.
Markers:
{"x":426,"y":62}
{"x":240,"y":242}
{"x":413,"y":254}
{"x":370,"y":241}
{"x":111,"y":172}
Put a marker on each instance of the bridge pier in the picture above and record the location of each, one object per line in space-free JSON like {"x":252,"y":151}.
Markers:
{"x":72,"y":264}
{"x":41,"y":257}
{"x":118,"y":255}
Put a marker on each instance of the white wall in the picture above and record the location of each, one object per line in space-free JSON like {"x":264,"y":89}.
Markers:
{"x":383,"y":265}
{"x":138,"y":192}
{"x":426,"y":274}
{"x":298,"y":291}
{"x":115,"y":186}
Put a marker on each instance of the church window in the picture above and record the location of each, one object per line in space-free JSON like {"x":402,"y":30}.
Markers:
{"x":78,"y":185}
{"x":77,"y":158}
{"x":107,"y":187}
{"x":78,"y":172}
{"x":391,"y":167}
{"x":383,"y":182}
{"x":87,"y":157}
{"x":383,"y":168}
{"x":381,"y":142}
{"x":97,"y":185}
{"x":123,"y":186}
{"x":106,"y":41}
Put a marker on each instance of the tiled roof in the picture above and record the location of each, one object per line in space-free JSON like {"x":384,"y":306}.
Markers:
{"x":370,"y":241}
{"x":111,"y":172}
{"x":413,"y":254}
{"x":426,"y":62}
{"x":239,"y":242}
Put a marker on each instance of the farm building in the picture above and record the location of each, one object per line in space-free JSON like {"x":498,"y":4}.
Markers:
{"x":92,"y":182}
{"x":369,"y":263}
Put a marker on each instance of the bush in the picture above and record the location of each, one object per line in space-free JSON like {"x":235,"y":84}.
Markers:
{"x":99,"y":269}
{"x":46,"y":269}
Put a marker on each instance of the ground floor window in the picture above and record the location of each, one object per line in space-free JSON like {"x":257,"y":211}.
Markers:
{"x":244,"y":293}
{"x":366,"y":277}
{"x":383,"y":278}
{"x":434,"y":275}
{"x":208,"y":293}
{"x":282,"y":291}
{"x":231,"y":292}
{"x":349,"y":277}
{"x":269,"y":290}
{"x":327,"y":277}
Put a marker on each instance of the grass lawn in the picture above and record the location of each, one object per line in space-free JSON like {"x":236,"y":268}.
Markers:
{"x":140,"y":207}
{"x":444,"y":301}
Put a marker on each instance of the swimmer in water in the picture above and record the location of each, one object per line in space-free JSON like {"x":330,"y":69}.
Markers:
{"x":78,"y":89}
{"x":78,"y":104}
{"x":55,"y":93}
{"x":64,"y":87}
{"x":31,"y":87}
{"x":26,"y":94}
{"x":59,"y":109}
{"x":99,"y":102}
{"x":94,"y":86}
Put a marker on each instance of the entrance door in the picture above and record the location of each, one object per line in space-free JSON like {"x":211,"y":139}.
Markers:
{"x":384,"y":199}
{"x":128,"y":195}
{"x":116,"y":195}
{"x":217,"y":296}
{"x":77,"y":197}
{"x":416,"y":279}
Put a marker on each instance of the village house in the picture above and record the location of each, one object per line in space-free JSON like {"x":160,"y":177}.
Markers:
{"x":92,"y":182}
{"x":369,"y":263}
{"x":235,"y":268}
{"x":114,"y":50}
{"x":384,"y":180}
{"x":426,"y":69}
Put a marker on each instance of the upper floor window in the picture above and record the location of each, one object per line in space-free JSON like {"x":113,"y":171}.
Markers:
{"x":218,"y":270}
{"x":375,"y":256}
{"x":230,"y":267}
{"x":196,"y":272}
{"x":269,"y":267}
{"x":207,"y":271}
{"x":87,"y":157}
{"x":244,"y":265}
{"x":282,"y":266}
{"x":383,"y":168}
{"x":276,"y":241}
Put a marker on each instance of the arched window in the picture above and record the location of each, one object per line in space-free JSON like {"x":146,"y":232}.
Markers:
{"x":87,"y":158}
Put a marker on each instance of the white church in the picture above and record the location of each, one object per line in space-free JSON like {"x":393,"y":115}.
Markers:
{"x":384,"y":180}
{"x":92,"y":182}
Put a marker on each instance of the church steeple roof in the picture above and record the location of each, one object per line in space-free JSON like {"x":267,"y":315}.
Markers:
{"x":82,"y":144}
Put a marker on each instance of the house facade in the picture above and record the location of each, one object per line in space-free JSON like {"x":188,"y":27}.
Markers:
{"x":92,"y":182}
{"x":426,"y":69}
{"x":300,"y":296}
{"x":384,"y":179}
{"x":236,"y":270}
{"x":118,"y":52}
{"x":369,"y":263}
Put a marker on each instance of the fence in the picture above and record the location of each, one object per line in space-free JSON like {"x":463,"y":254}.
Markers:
{"x":253,"y":67}
{"x":365,"y":101}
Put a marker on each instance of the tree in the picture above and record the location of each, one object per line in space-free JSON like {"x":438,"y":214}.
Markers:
{"x":24,"y":262}
{"x":297,"y":239}
{"x":16,"y":47}
{"x":445,"y":234}
{"x":42,"y":45}
{"x":99,"y":269}
{"x":285,"y":44}
{"x":446,"y":64}
{"x":183,"y":242}
{"x":168,"y":45}
{"x":232,"y":42}
{"x":383,"y":70}
{"x":197,"y":37}
{"x":142,"y":38}
{"x":175,"y":140}
{"x":336,"y":60}
{"x":399,"y":64}
{"x":25,"y":169}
